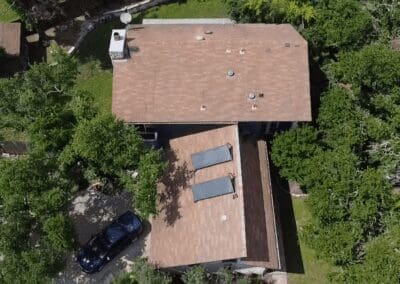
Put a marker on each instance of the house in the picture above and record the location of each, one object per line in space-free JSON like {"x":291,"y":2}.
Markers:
{"x":213,"y":89}
{"x":14,"y":50}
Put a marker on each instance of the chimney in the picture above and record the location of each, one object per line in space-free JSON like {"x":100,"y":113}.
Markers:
{"x":118,"y":48}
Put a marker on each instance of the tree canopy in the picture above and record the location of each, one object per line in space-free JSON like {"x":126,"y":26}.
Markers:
{"x":70,"y":145}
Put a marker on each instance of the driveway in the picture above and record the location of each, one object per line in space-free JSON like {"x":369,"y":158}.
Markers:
{"x":90,"y":212}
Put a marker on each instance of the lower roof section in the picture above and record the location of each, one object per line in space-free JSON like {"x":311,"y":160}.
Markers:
{"x":186,"y":232}
{"x":232,"y":226}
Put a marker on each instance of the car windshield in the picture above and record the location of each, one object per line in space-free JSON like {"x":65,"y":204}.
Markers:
{"x":98,"y":247}
{"x":130,"y":222}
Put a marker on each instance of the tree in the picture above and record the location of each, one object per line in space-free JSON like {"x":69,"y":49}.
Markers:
{"x":382,"y":259}
{"x":37,"y":102}
{"x":292,"y":149}
{"x":33,"y":238}
{"x":37,"y":12}
{"x":195,"y":275}
{"x":143,"y":272}
{"x":339,"y":25}
{"x":109,"y":150}
{"x":272,"y":11}
{"x":105,"y":146}
{"x":374,"y":69}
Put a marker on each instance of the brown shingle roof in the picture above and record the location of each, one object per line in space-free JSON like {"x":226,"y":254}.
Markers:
{"x":171,"y":75}
{"x":186,"y":232}
{"x":220,"y":228}
{"x":10,"y":38}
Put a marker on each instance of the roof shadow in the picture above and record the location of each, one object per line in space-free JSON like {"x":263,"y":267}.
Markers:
{"x":293,"y":257}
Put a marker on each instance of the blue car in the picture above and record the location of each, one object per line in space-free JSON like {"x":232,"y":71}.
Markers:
{"x":107,"y":244}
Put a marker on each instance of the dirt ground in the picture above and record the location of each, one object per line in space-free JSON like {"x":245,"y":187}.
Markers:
{"x":90,"y":212}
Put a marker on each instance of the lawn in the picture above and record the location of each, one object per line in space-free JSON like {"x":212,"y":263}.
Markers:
{"x":96,"y":76}
{"x":190,"y":9}
{"x":6,"y":13}
{"x":315,"y":270}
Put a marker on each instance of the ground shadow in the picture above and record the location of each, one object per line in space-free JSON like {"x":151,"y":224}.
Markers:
{"x":293,"y":257}
{"x":174,"y":182}
{"x":319,"y":84}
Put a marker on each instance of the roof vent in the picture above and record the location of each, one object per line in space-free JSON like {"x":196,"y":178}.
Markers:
{"x":230,"y":73}
{"x":203,"y":108}
{"x":287,"y":44}
{"x":208,"y":32}
{"x":252,"y":96}
{"x":200,"y":38}
{"x":228,"y":50}
{"x":242,"y":50}
{"x":224,"y":218}
{"x":254,"y":107}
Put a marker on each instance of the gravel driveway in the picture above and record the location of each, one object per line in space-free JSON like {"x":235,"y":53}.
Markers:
{"x":90,"y":212}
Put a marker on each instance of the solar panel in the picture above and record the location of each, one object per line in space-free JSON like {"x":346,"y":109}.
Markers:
{"x":211,"y":157}
{"x":212,"y":188}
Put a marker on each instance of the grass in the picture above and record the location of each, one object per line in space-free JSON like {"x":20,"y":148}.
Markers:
{"x":7,"y":14}
{"x":100,"y":85}
{"x":190,"y":9}
{"x":315,"y":270}
{"x":96,"y":73}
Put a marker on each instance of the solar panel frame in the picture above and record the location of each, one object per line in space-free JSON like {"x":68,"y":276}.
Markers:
{"x":212,"y":188}
{"x":211,"y":157}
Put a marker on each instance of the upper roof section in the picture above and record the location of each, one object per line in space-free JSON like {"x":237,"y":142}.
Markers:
{"x":10,"y":38}
{"x":213,"y":73}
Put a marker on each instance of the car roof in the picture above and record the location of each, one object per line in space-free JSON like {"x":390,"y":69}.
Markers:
{"x":114,"y":232}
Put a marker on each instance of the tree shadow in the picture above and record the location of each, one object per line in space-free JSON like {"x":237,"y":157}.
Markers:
{"x":319,"y":83}
{"x":293,"y":257}
{"x":175,"y":180}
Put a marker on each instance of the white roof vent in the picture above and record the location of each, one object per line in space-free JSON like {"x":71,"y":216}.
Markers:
{"x":200,"y":38}
{"x":252,"y":96}
{"x":230,"y":73}
{"x":203,"y":108}
{"x":208,"y":32}
{"x":241,"y":51}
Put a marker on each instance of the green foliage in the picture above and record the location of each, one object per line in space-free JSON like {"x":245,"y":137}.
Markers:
{"x":340,"y":25}
{"x":143,"y":272}
{"x":34,"y":234}
{"x":104,"y":145}
{"x":337,"y":242}
{"x":35,"y":102}
{"x":339,"y":118}
{"x":107,"y":149}
{"x":144,"y":186}
{"x":59,"y":232}
{"x":386,"y":17}
{"x":292,"y":149}
{"x":272,"y":11}
{"x":382,"y":259}
{"x":195,"y":275}
{"x":375,"y":69}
